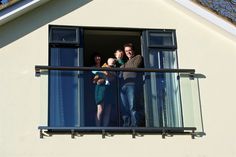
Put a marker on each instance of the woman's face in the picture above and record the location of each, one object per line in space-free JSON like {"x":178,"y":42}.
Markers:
{"x":97,"y":59}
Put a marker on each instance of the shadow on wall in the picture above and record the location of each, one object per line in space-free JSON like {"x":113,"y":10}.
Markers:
{"x":38,"y":17}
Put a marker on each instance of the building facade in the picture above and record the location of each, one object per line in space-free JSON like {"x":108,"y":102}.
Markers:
{"x":166,"y":34}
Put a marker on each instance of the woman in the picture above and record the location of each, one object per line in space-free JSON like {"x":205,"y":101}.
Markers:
{"x":99,"y":89}
{"x":103,"y":81}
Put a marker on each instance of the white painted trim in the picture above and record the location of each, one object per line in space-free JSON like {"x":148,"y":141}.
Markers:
{"x":208,"y":16}
{"x":18,"y":9}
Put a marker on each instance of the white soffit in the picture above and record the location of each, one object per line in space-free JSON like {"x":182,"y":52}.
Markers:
{"x":19,"y":9}
{"x":208,"y":16}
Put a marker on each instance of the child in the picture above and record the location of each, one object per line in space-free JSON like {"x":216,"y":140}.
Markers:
{"x":104,"y":74}
{"x":119,"y":54}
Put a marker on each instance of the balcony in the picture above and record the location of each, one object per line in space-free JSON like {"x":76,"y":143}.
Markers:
{"x":168,"y":104}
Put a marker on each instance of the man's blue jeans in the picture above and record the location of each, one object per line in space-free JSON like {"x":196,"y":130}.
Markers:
{"x":129,"y":106}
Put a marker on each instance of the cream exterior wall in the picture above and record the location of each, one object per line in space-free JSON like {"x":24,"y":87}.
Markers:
{"x":201,"y":45}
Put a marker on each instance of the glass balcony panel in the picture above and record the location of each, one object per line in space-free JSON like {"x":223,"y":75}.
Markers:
{"x":162,"y":100}
{"x":104,"y":91}
{"x":63,"y":98}
{"x":43,"y":97}
{"x":191,"y":104}
{"x":68,"y":99}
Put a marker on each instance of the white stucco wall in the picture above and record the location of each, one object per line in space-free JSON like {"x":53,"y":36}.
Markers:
{"x":201,"y":46}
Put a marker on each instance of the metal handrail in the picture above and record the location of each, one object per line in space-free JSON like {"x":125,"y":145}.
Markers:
{"x":38,"y":69}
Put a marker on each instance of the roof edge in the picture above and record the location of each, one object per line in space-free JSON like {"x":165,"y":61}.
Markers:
{"x":19,"y":9}
{"x":230,"y":28}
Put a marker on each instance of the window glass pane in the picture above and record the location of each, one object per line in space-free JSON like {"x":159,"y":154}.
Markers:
{"x":63,"y":35}
{"x":161,"y":39}
{"x":63,"y":88}
{"x":163,"y":100}
{"x":162,"y":91}
{"x":162,"y":59}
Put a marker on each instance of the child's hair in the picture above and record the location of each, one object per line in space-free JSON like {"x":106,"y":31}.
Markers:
{"x":119,"y":50}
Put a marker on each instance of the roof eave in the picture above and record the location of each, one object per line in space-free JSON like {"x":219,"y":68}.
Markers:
{"x":19,"y":9}
{"x":230,"y":28}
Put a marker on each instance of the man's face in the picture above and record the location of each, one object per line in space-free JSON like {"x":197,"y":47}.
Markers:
{"x":129,"y":52}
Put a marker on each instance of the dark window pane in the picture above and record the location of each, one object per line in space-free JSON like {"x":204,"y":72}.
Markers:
{"x":161,"y":39}
{"x":64,"y":35}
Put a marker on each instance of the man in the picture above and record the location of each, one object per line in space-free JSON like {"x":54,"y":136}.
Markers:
{"x":131,"y":88}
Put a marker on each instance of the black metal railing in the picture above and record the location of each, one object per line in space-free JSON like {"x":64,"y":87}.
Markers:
{"x":167,"y":105}
{"x":38,"y":69}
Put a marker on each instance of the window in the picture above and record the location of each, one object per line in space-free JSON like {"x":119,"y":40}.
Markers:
{"x":162,"y":89}
{"x":71,"y":102}
{"x":64,"y":35}
{"x":162,"y":39}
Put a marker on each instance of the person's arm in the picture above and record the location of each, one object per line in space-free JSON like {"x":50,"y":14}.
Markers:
{"x":99,"y":78}
{"x":95,"y":79}
{"x":138,"y":61}
{"x":100,"y":81}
